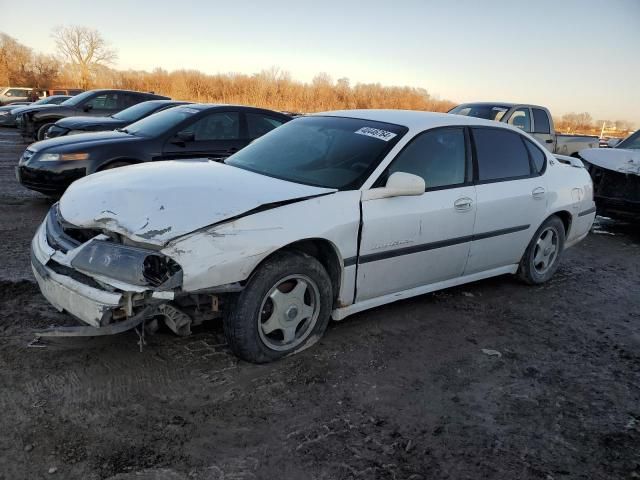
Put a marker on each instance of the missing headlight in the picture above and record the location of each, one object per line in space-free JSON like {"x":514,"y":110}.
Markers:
{"x":137,"y":266}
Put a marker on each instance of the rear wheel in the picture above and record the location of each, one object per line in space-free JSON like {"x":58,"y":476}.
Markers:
{"x":284,"y":308}
{"x":540,"y":260}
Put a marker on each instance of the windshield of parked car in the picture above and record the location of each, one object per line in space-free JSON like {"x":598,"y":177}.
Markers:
{"x":161,"y":122}
{"x":135,"y":113}
{"x":488,"y":112}
{"x":632,"y":142}
{"x":331,"y":152}
{"x":78,"y":99}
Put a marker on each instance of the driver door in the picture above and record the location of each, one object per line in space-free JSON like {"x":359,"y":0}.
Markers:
{"x":410,"y":241}
{"x":216,"y":135}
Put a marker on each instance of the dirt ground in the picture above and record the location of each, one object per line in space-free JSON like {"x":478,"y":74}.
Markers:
{"x":491,"y":380}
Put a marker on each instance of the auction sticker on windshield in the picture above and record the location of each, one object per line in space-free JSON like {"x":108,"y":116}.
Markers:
{"x":376,"y":133}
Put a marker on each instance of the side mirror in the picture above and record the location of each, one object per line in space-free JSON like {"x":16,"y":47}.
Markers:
{"x":184,"y":137}
{"x":87,"y":108}
{"x":399,"y":184}
{"x":612,"y":142}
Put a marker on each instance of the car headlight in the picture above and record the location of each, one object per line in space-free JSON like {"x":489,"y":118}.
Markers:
{"x":133,"y":265}
{"x":2,"y":114}
{"x":54,"y":157}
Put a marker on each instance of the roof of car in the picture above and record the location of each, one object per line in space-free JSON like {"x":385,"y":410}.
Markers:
{"x":165,"y":102}
{"x":413,"y":119}
{"x":96,"y":90}
{"x":503,"y":104}
{"x":205,"y":106}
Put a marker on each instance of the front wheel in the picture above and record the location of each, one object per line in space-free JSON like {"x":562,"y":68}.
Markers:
{"x":540,"y":260}
{"x":42,"y":130}
{"x":284,"y":308}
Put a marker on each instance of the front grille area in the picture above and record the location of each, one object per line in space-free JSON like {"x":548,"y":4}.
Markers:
{"x":64,"y":237}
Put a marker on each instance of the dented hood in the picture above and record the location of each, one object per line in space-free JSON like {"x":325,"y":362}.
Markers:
{"x":154,"y":203}
{"x":617,"y":159}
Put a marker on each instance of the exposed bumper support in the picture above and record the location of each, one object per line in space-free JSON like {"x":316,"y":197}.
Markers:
{"x":87,"y":331}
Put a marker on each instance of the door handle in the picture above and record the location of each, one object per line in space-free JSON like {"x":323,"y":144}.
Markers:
{"x":463,"y":204}
{"x":538,"y":192}
{"x":549,"y":140}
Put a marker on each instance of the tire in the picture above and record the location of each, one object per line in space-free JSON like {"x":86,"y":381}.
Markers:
{"x":298,"y":287}
{"x":542,"y":257}
{"x":42,"y":129}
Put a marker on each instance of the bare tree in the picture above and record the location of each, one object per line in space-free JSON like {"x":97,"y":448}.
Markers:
{"x":85,"y":49}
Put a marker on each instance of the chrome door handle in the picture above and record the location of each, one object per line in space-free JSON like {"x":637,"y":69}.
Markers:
{"x":538,"y":192}
{"x":463,"y":204}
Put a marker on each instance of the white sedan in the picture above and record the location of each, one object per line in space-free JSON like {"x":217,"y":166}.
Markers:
{"x":326,"y":216}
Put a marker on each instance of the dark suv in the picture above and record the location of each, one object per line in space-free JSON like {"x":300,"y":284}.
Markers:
{"x":94,"y":103}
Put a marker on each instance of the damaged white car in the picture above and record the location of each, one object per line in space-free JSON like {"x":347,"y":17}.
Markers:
{"x":326,"y":216}
{"x":616,"y":178}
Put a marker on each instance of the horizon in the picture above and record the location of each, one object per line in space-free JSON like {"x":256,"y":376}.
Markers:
{"x":571,"y":57}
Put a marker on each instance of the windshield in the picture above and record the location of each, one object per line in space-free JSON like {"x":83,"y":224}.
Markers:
{"x":160,"y":122}
{"x":488,"y":112}
{"x":331,"y":152}
{"x":78,"y":99}
{"x":135,"y":113}
{"x":632,"y":142}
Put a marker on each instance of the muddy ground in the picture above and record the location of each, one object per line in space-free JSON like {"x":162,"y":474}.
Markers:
{"x":400,"y":392}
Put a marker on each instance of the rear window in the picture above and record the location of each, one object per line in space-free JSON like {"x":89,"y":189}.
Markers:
{"x":537,"y":155}
{"x":501,"y":155}
{"x":541,"y":121}
{"x":488,"y":112}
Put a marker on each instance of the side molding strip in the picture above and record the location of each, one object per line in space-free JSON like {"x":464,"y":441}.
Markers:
{"x":374,"y":257}
{"x":587,"y":212}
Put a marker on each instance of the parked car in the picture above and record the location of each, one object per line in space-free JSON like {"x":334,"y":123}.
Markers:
{"x":616,"y":178}
{"x":95,"y":103}
{"x":10,"y":113}
{"x":191,"y":131}
{"x":5,"y":112}
{"x":9,"y":95}
{"x":75,"y":125}
{"x":326,"y":216}
{"x":533,"y":119}
{"x":62,"y":91}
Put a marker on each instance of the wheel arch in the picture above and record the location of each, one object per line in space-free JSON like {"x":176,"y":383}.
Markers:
{"x":566,"y":218}
{"x":111,"y":161}
{"x":323,"y":250}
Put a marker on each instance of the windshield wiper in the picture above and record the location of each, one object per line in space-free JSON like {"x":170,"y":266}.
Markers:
{"x":123,"y":130}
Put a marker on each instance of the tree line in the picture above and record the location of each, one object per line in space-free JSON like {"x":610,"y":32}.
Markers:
{"x":84,"y":59}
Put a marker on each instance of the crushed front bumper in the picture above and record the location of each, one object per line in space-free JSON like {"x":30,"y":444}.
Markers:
{"x":90,"y":305}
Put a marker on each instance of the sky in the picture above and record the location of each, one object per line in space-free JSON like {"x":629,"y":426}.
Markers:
{"x":569,"y":55}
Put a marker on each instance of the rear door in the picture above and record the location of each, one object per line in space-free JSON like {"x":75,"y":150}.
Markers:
{"x":216,"y":135}
{"x":410,"y":241}
{"x":511,"y":198}
{"x":542,"y":129}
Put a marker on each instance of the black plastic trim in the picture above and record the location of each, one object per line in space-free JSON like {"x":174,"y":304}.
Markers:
{"x":374,"y":257}
{"x":587,"y":212}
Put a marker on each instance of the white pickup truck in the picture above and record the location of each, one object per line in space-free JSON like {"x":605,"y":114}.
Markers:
{"x":533,"y":119}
